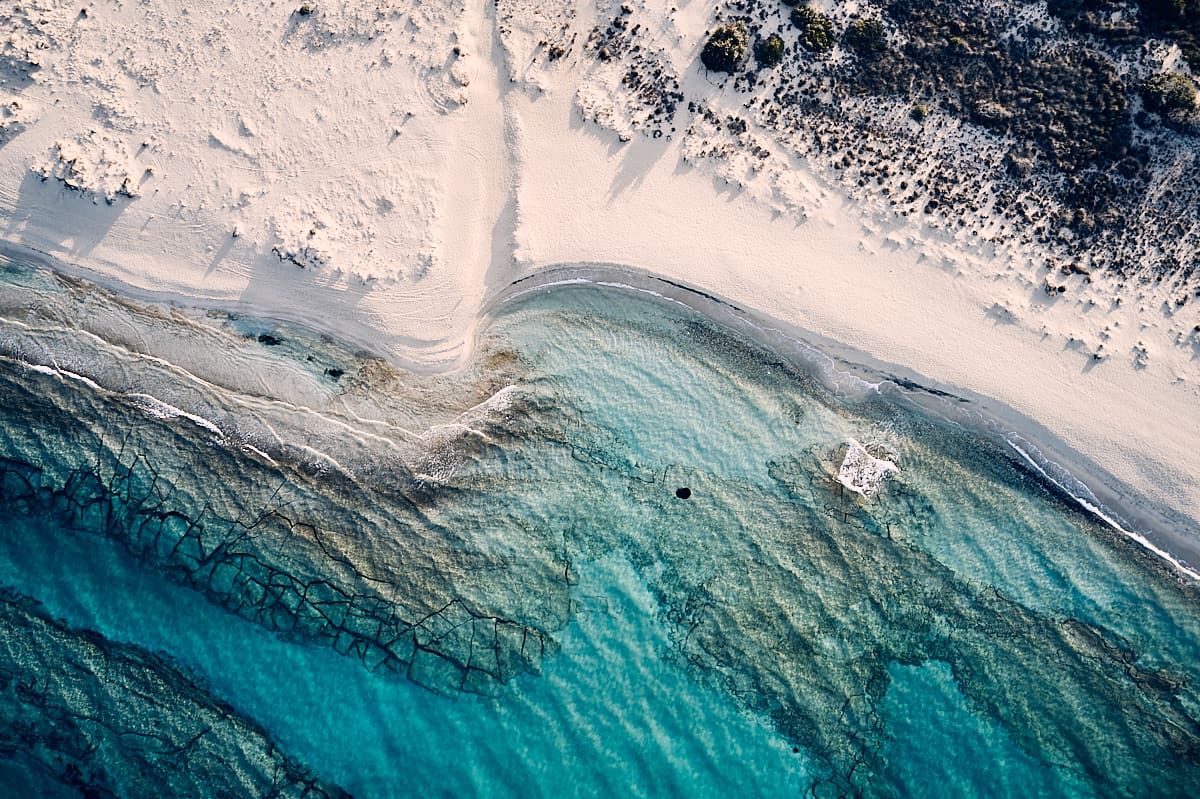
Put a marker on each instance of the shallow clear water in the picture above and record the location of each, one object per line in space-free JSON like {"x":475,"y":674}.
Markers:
{"x":487,"y":585}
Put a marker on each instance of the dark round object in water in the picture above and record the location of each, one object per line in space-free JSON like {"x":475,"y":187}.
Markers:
{"x":683,"y":493}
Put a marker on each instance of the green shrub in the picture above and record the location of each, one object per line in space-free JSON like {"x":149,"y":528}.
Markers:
{"x":769,"y":51}
{"x":816,"y":29}
{"x":918,"y":112}
{"x":1169,"y":92}
{"x":725,"y":48}
{"x":865,"y":36}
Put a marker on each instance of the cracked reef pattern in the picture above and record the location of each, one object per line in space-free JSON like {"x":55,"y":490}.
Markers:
{"x":801,"y":599}
{"x":103,"y":719}
{"x":965,"y":626}
{"x":299,"y":546}
{"x":259,"y":545}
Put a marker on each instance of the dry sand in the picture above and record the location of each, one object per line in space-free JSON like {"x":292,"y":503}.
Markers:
{"x":378,"y":171}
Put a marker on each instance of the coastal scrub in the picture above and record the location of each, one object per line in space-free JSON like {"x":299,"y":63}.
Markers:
{"x":1168,"y":93}
{"x":816,"y":29}
{"x":865,"y":36}
{"x":725,"y":48}
{"x":769,"y":51}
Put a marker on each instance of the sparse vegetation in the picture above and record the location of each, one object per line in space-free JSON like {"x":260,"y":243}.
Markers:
{"x":865,"y":37}
{"x":1068,"y":103}
{"x":816,"y":29}
{"x":769,"y":51}
{"x":1066,"y":157}
{"x":726,"y":48}
{"x":1175,"y":21}
{"x":1179,"y":21}
{"x":1169,"y":93}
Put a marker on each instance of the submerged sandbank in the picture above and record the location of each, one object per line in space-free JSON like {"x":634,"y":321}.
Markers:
{"x":1165,"y":532}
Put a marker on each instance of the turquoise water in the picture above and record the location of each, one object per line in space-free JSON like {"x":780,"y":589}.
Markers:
{"x":487,"y":584}
{"x":595,"y":726}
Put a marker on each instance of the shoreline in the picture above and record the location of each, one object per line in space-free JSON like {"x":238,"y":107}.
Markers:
{"x":843,"y":369}
{"x":1092,"y":488}
{"x":464,"y":157}
{"x":523,"y":359}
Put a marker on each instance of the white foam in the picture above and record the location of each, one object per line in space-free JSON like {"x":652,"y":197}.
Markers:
{"x":54,"y":371}
{"x":87,"y":381}
{"x":162,"y":410}
{"x":578,"y":281}
{"x":248,"y":447}
{"x":1099,"y":513}
{"x":862,"y":472}
{"x":501,"y":401}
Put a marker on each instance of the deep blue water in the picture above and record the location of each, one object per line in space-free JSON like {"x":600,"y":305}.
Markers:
{"x":964,"y":631}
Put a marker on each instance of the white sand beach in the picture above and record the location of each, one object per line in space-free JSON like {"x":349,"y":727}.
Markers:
{"x":380,"y":170}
